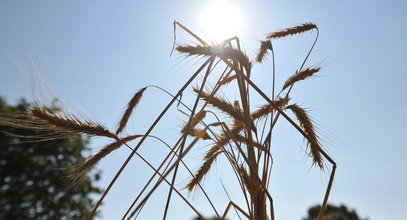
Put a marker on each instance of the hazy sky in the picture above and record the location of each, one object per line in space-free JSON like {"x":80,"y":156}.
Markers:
{"x":96,"y":54}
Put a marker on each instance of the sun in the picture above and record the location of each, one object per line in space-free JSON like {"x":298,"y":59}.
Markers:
{"x":221,"y":20}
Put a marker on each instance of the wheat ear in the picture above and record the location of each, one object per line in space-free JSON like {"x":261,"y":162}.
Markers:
{"x":209,"y":157}
{"x":199,"y":133}
{"x":267,"y":108}
{"x":70,"y":123}
{"x":222,"y":52}
{"x":203,"y":170}
{"x":306,"y":124}
{"x":130,"y":107}
{"x":227,"y":80}
{"x":292,"y":31}
{"x":191,"y":130}
{"x":265,"y":46}
{"x":221,"y":104}
{"x":198,"y":117}
{"x":304,"y":74}
{"x":82,"y":168}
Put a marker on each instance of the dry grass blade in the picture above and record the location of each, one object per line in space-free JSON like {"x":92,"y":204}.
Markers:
{"x":267,"y":108}
{"x":265,"y":46}
{"x":308,"y":127}
{"x":298,"y":76}
{"x":70,"y":123}
{"x":130,"y":107}
{"x":82,"y":168}
{"x":292,"y":31}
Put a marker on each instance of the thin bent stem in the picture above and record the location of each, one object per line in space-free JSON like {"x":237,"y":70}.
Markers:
{"x":217,"y":87}
{"x":185,"y":135}
{"x":183,"y":198}
{"x":143,"y":138}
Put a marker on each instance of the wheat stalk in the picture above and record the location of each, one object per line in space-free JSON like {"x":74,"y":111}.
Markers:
{"x":251,"y":163}
{"x":246,"y":179}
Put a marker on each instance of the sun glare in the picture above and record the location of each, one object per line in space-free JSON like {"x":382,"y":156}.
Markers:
{"x":221,"y":20}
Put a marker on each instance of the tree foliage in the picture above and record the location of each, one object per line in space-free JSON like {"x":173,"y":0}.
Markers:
{"x":31,"y":185}
{"x":211,"y":218}
{"x":333,"y":212}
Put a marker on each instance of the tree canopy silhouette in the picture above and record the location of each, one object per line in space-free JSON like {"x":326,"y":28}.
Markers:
{"x":211,"y":218}
{"x":31,"y":185}
{"x":333,"y":212}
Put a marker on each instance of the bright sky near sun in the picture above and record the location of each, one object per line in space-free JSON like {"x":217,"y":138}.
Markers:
{"x":96,"y":54}
{"x":221,"y":20}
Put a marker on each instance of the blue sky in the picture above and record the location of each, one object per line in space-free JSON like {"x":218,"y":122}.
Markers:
{"x":96,"y":54}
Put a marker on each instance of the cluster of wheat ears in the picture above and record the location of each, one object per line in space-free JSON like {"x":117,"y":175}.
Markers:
{"x":245,"y":140}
